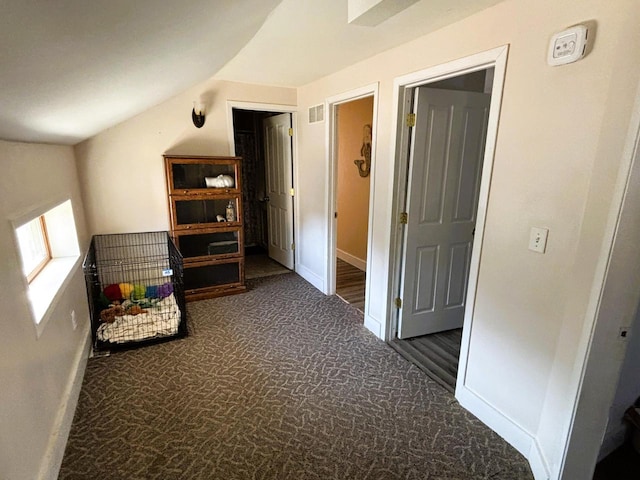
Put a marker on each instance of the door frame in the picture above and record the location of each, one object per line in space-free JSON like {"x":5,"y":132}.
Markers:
{"x":331,"y":134}
{"x":268,"y":107}
{"x":403,"y":87}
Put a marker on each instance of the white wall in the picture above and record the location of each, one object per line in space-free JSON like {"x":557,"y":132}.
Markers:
{"x":122,"y":170}
{"x":35,"y":374}
{"x":560,"y":139}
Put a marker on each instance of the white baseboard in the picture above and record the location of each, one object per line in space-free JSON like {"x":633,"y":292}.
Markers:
{"x":352,"y":260}
{"x":538,"y":462}
{"x":52,"y":461}
{"x":311,"y":277}
{"x":520,"y":439}
{"x":373,"y":326}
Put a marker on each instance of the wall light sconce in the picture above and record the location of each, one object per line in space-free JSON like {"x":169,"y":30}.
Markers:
{"x":197,"y":114}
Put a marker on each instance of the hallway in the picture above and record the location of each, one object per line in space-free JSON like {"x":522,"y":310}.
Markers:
{"x":350,"y":284}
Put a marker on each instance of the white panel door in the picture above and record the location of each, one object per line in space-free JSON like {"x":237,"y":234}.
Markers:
{"x":279,"y":188}
{"x":445,"y":164}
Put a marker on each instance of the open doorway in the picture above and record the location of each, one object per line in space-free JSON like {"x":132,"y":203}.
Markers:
{"x":263,"y":140}
{"x":449,"y":120}
{"x":353,"y":141}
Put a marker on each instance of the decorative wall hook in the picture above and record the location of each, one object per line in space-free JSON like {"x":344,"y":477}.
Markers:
{"x":364,"y":166}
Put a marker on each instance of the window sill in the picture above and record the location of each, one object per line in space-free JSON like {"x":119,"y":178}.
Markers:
{"x":47,"y":288}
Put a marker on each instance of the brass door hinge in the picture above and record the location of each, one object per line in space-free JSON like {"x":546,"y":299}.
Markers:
{"x":291,"y":132}
{"x":292,"y":192}
{"x":293,"y":246}
{"x":398,"y":302}
{"x":411,"y":119}
{"x":404,"y":218}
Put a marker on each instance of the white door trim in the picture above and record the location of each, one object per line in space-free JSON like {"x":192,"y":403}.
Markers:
{"x":330,"y":143}
{"x":521,"y":439}
{"x":269,"y":107}
{"x":496,"y":58}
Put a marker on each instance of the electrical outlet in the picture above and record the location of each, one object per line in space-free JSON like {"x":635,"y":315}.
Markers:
{"x":74,"y":322}
{"x":538,"y":239}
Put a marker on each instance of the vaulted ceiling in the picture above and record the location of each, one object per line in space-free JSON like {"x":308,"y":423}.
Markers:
{"x":71,"y":69}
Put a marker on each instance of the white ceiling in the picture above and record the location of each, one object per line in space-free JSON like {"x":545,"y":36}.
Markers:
{"x":71,"y":69}
{"x":304,"y":40}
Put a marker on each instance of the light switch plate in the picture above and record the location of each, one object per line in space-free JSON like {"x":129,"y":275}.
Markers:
{"x":538,"y":239}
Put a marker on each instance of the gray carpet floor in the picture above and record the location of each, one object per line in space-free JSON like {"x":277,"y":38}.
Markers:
{"x":281,"y":382}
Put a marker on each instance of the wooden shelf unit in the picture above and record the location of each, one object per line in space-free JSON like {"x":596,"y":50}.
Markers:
{"x":213,"y":251}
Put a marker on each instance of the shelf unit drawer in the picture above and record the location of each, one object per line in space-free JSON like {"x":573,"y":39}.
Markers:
{"x":187,"y":176}
{"x":206,"y":279}
{"x":202,"y":211}
{"x":198,"y":245}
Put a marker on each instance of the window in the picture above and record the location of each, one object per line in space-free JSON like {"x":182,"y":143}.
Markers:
{"x":34,"y":247}
{"x":47,"y":242}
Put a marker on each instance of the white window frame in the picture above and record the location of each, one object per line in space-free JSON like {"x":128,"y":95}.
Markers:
{"x":43,"y":291}
{"x":42,"y":228}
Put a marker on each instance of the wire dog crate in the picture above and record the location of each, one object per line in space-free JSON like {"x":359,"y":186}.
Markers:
{"x":135,"y":289}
